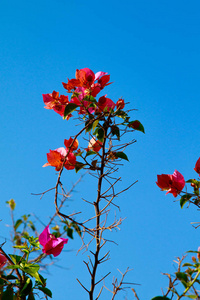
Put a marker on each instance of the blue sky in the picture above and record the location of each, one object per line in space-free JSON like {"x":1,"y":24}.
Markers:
{"x":152,"y":51}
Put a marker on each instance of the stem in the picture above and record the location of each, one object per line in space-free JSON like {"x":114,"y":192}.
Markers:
{"x":98,"y":214}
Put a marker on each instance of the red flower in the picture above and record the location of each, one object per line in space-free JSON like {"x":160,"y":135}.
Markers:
{"x":172,"y":183}
{"x":3,"y":261}
{"x":51,"y":244}
{"x":53,"y":101}
{"x":68,"y":143}
{"x":120,"y":104}
{"x":86,"y":77}
{"x":105,"y":104}
{"x":94,"y":145}
{"x":56,"y":158}
{"x":197,"y":166}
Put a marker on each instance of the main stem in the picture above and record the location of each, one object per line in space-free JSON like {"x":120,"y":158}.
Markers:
{"x":97,"y":213}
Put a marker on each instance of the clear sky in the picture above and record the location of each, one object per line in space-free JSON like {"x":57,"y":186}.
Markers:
{"x":152,"y":51}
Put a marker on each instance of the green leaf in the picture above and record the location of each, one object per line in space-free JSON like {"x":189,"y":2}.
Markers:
{"x":121,"y":155}
{"x":69,"y":109}
{"x":121,"y":114}
{"x":11,"y":203}
{"x":8,"y":294}
{"x":13,"y":267}
{"x":31,"y":268}
{"x":70,"y":232}
{"x":90,"y":153}
{"x":136,"y":125}
{"x":100,"y":134}
{"x":192,"y":181}
{"x":115,"y":131}
{"x":89,"y":98}
{"x":182,"y":276}
{"x":45,"y":291}
{"x":18,"y":223}
{"x":79,"y":166}
{"x":184,"y":199}
{"x":187,"y":265}
{"x":94,"y":124}
{"x":16,"y":258}
{"x":27,"y":288}
{"x":89,"y":127}
{"x":192,"y":296}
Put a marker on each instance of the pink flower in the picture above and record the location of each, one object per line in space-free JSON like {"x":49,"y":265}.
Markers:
{"x":197,"y":166}
{"x":56,"y":158}
{"x":172,"y":183}
{"x":53,"y":101}
{"x":3,"y":261}
{"x":51,"y":244}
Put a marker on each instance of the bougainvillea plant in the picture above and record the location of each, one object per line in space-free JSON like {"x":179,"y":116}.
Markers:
{"x":185,"y":282}
{"x":96,"y":146}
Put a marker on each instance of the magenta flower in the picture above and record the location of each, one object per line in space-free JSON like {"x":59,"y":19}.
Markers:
{"x":51,"y":244}
{"x":3,"y":261}
{"x":197,"y":166}
{"x":172,"y":183}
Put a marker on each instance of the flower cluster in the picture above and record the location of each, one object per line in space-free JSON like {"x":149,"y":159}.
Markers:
{"x":57,"y":157}
{"x":84,"y":88}
{"x":51,"y":244}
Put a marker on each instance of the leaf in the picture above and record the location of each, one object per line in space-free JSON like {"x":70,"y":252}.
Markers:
{"x":13,"y":267}
{"x":69,"y":109}
{"x":90,"y":152}
{"x":121,"y":155}
{"x":70,"y":232}
{"x":100,"y":134}
{"x":79,"y":166}
{"x":94,"y":125}
{"x":16,"y":258}
{"x":121,"y":114}
{"x":192,"y":296}
{"x":184,"y":199}
{"x":137,"y":125}
{"x":115,"y":131}
{"x":45,"y":291}
{"x":26,"y":288}
{"x":8,"y":294}
{"x":89,"y":127}
{"x":192,"y":181}
{"x":187,"y":265}
{"x":11,"y":203}
{"x":18,"y":223}
{"x":182,"y":276}
{"x":90,"y":99}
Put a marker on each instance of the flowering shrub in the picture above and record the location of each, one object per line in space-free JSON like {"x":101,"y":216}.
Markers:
{"x":104,"y":122}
